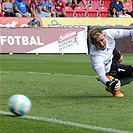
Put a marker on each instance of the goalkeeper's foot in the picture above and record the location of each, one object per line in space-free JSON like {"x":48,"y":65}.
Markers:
{"x":97,"y":78}
{"x":111,"y":91}
{"x":115,"y":93}
{"x":118,"y":93}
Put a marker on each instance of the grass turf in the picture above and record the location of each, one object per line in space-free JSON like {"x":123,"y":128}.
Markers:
{"x":62,"y":87}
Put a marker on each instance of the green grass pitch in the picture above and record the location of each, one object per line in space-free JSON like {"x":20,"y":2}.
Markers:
{"x":62,"y":88}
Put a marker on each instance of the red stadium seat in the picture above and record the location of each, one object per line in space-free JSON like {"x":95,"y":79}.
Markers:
{"x":103,"y":12}
{"x":107,"y":3}
{"x":79,"y":12}
{"x":95,"y":3}
{"x":69,"y":12}
{"x":91,"y":12}
{"x":81,"y":3}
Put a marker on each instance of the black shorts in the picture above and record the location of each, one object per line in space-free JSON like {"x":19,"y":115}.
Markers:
{"x":118,"y":70}
{"x":116,"y":55}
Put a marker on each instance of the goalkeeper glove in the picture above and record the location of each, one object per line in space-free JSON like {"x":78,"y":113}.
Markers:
{"x":114,"y":84}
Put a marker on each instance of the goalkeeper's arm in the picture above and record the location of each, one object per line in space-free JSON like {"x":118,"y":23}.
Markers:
{"x":114,"y":84}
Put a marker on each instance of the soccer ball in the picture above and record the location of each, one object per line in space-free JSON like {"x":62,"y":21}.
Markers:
{"x":19,"y":104}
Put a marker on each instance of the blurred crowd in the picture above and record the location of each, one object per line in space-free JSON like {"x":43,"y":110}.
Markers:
{"x":121,"y":8}
{"x":59,"y":8}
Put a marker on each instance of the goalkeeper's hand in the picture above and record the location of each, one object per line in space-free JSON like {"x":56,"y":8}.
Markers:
{"x":115,"y":84}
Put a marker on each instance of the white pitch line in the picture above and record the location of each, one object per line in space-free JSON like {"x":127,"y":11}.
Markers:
{"x":60,"y":74}
{"x":46,"y":73}
{"x":52,"y":120}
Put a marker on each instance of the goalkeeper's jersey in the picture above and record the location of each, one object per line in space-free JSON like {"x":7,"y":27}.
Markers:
{"x":102,"y":59}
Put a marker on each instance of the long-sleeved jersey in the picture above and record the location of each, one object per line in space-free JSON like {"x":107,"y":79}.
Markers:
{"x":102,"y":59}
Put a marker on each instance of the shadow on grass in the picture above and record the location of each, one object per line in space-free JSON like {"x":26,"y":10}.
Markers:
{"x":79,"y":97}
{"x":9,"y":115}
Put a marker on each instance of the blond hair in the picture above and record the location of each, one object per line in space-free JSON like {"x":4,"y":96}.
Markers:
{"x":94,"y":33}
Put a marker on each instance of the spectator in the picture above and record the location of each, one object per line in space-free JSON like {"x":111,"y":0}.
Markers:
{"x":117,"y":4}
{"x":128,"y":5}
{"x":12,"y":1}
{"x":1,"y":13}
{"x":84,"y":3}
{"x":48,"y":7}
{"x":75,"y":2}
{"x":131,"y":24}
{"x":41,"y":14}
{"x":33,"y":6}
{"x":59,"y":8}
{"x":124,"y":14}
{"x":34,"y":22}
{"x":21,"y":8}
{"x":70,"y":2}
{"x":113,"y":13}
{"x":7,"y":7}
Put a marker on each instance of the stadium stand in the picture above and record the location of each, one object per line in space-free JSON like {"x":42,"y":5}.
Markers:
{"x":95,"y":3}
{"x":69,"y":12}
{"x":103,"y":12}
{"x":79,"y":12}
{"x":94,"y":8}
{"x":91,"y":12}
{"x":106,"y":3}
{"x":82,"y":5}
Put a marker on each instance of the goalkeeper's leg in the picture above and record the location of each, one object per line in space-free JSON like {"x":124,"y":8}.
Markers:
{"x":126,"y":80}
{"x":115,"y":93}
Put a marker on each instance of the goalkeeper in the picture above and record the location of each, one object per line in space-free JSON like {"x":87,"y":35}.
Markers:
{"x":105,"y":59}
